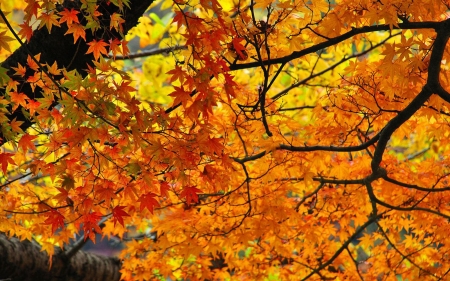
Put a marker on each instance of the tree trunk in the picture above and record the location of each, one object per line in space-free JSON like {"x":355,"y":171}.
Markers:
{"x":24,"y":261}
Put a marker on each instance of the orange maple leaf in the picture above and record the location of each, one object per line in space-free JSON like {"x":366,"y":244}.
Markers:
{"x":215,"y":145}
{"x":27,"y":142}
{"x":69,"y":16}
{"x":125,"y":50}
{"x":32,"y":64}
{"x":48,"y":19}
{"x":116,"y":22}
{"x":77,"y":30}
{"x":191,"y":194}
{"x":114,"y":47}
{"x":53,"y":69}
{"x":118,"y":214}
{"x":18,"y":99}
{"x":6,"y":158}
{"x":15,"y":126}
{"x":97,"y":47}
{"x":32,"y":106}
{"x":148,"y":201}
{"x":20,"y":70}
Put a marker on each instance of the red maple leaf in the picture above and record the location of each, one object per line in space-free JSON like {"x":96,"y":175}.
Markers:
{"x":6,"y":158}
{"x":177,"y":73}
{"x":190,"y":193}
{"x":239,"y":48}
{"x":55,"y":219}
{"x":164,"y":187}
{"x":118,"y":214}
{"x":179,"y":19}
{"x":148,"y":201}
{"x":181,"y":96}
{"x":90,"y":225}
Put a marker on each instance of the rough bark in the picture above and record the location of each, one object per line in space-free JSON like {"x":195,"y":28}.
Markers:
{"x":56,"y":46}
{"x":23,"y":261}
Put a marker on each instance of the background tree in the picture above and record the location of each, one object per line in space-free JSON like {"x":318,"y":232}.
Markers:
{"x":263,"y":139}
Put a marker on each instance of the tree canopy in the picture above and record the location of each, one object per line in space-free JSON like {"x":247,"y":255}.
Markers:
{"x":227,"y":140}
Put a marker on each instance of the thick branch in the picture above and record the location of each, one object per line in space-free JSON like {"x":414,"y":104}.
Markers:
{"x":24,"y":261}
{"x":337,"y":40}
{"x":311,"y":148}
{"x":432,"y":86}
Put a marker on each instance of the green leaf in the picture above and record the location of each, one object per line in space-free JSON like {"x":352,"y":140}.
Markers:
{"x":4,"y":78}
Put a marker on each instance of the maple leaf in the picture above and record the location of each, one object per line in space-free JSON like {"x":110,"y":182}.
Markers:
{"x":55,"y":218}
{"x":48,"y":19}
{"x":53,"y":69}
{"x":118,"y":214}
{"x":106,"y":194}
{"x":77,"y":30}
{"x":4,"y":78}
{"x":90,"y":225}
{"x":97,"y":48}
{"x":177,"y":74}
{"x":18,"y":99}
{"x":124,"y":45}
{"x":116,"y":22}
{"x":190,"y":193}
{"x":31,"y":10}
{"x":68,"y":182}
{"x":215,"y":145}
{"x":27,"y":142}
{"x":164,"y":189}
{"x":69,"y":16}
{"x":114,"y":47}
{"x":20,"y":70}
{"x":15,"y":126}
{"x":4,"y":39}
{"x":32,"y":105}
{"x":6,"y":158}
{"x":181,"y":96}
{"x":148,"y":201}
{"x":32,"y":64}
{"x":178,"y":19}
{"x":239,"y":48}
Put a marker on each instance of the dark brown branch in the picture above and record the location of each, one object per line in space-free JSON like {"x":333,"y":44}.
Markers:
{"x":311,"y":148}
{"x":432,"y":85}
{"x":149,"y":53}
{"x":337,"y":40}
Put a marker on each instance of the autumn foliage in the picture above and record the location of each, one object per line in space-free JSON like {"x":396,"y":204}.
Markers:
{"x":231,"y":140}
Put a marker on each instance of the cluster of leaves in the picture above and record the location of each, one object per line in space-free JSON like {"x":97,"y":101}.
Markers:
{"x":288,"y":139}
